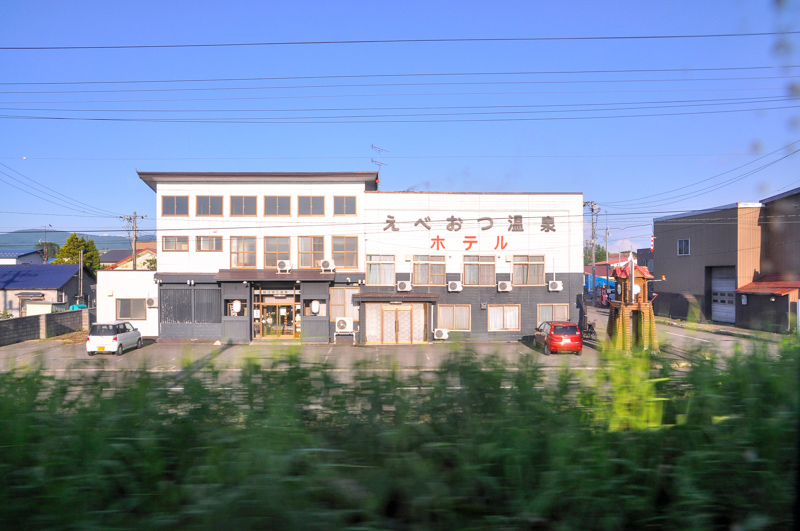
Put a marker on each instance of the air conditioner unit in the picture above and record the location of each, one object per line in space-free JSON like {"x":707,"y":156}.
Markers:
{"x":404,"y":285}
{"x":454,"y":285}
{"x":344,"y":324}
{"x":284,"y":266}
{"x":152,"y":302}
{"x":327,"y":265}
{"x":440,"y":333}
{"x":555,"y":285}
{"x":504,"y":285}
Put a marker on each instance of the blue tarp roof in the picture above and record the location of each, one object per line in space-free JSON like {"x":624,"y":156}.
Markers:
{"x":601,"y":281}
{"x":52,"y":276}
{"x":16,"y":253}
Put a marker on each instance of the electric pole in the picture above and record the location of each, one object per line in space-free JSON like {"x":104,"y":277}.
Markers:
{"x":80,"y":271}
{"x":608,"y":254}
{"x":132,"y":220}
{"x":593,"y":210}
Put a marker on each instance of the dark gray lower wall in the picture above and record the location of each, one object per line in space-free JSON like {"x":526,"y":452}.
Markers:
{"x":771,"y":313}
{"x":681,"y":306}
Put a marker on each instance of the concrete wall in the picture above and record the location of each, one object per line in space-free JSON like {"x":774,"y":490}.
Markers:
{"x":21,"y":329}
{"x":781,"y":236}
{"x":122,"y":284}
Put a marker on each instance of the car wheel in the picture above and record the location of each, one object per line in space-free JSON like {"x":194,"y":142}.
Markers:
{"x":120,"y":350}
{"x":139,"y":343}
{"x":90,"y":353}
{"x":579,"y":352}
{"x":546,"y":349}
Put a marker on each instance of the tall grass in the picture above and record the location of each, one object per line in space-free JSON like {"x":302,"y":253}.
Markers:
{"x":476,"y":444}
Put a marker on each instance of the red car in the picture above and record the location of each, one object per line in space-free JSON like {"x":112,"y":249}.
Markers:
{"x":558,"y":336}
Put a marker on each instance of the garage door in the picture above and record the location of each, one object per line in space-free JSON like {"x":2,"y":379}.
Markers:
{"x":723,"y":287}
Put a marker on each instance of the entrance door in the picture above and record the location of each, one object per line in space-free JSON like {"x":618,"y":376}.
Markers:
{"x":396,"y":324}
{"x":274,"y":321}
{"x":723,"y":287}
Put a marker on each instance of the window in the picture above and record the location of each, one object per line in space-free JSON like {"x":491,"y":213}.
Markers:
{"x":429,"y":270}
{"x":243,"y":205}
{"x":503,"y":317}
{"x":479,"y":271}
{"x":131,"y":309}
{"x":528,"y":270}
{"x":277,"y":205}
{"x":276,"y":248}
{"x":209,"y":243}
{"x":311,"y":250}
{"x":243,"y":251}
{"x":552,"y":312}
{"x":311,"y":205}
{"x":380,"y":269}
{"x":209,"y":205}
{"x":344,"y":206}
{"x":345,"y":252}
{"x":342,"y":303}
{"x":175,"y":243}
{"x":455,"y":317}
{"x":683,"y":247}
{"x":175,"y":205}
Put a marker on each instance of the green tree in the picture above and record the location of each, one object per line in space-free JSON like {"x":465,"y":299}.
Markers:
{"x":52,"y":248}
{"x":70,"y":252}
{"x":151,"y":264}
{"x":599,"y":252}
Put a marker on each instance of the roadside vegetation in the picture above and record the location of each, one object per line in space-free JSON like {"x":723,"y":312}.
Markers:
{"x":476,"y":444}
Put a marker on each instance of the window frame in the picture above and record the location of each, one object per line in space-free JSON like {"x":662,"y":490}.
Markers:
{"x":209,"y":197}
{"x":301,"y":253}
{"x":131,"y":318}
{"x":504,"y":329}
{"x":310,"y":206}
{"x":244,"y":253}
{"x":333,"y":307}
{"x":174,"y":206}
{"x":553,"y":305}
{"x":688,"y":247}
{"x":428,"y":263}
{"x":479,"y":263}
{"x":380,"y":263}
{"x":166,"y":250}
{"x":276,"y":253}
{"x":199,"y":250}
{"x":277,"y":205}
{"x":343,"y":264}
{"x":454,"y":306}
{"x":528,"y":263}
{"x":344,"y":205}
{"x":243,"y":197}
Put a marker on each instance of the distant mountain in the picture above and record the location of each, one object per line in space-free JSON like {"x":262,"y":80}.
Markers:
{"x":27,"y":239}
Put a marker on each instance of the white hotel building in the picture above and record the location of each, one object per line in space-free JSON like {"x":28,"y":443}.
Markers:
{"x":312,"y":256}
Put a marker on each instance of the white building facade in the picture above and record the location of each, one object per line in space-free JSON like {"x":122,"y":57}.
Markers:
{"x":250,"y":256}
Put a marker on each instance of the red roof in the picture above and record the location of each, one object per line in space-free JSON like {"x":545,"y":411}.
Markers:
{"x":641,"y":271}
{"x":774,"y":284}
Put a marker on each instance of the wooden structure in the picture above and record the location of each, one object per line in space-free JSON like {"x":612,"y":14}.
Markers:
{"x":631,"y":322}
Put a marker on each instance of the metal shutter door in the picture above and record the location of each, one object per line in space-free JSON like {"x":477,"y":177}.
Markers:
{"x":723,"y":286}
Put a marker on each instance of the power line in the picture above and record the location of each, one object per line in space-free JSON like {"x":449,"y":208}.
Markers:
{"x":405,"y":41}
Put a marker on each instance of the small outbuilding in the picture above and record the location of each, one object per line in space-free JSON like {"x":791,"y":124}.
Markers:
{"x":58,"y":283}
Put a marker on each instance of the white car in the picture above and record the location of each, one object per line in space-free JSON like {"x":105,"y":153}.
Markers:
{"x":112,"y":337}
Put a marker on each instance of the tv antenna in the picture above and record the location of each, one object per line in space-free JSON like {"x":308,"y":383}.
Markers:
{"x":378,"y":162}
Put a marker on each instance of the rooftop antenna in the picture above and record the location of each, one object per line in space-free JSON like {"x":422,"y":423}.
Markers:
{"x":380,"y":153}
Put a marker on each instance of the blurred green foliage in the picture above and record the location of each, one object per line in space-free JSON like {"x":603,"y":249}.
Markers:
{"x":476,"y":444}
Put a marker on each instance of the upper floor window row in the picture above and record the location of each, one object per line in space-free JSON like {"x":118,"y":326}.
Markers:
{"x":247,"y":205}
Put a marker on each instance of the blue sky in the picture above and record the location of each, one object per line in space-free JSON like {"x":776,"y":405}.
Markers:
{"x":553,"y":117}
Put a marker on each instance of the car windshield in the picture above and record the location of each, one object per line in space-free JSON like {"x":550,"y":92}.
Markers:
{"x":103,"y":330}
{"x":565,"y":330}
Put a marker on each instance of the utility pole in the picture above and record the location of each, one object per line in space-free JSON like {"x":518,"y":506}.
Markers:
{"x":132,"y":220}
{"x":80,"y":272}
{"x":593,"y":210}
{"x":607,"y":255}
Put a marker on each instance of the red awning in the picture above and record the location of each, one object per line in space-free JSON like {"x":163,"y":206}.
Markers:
{"x":774,"y":284}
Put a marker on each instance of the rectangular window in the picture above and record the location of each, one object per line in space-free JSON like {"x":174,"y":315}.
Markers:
{"x":311,"y":250}
{"x":175,"y":205}
{"x":380,"y":269}
{"x":175,"y":243}
{"x":528,"y":270}
{"x":277,"y":205}
{"x":552,"y":312}
{"x":243,"y":205}
{"x":308,"y":205}
{"x":479,"y":271}
{"x":503,"y":317}
{"x":429,"y":270}
{"x":209,"y":205}
{"x":342,"y":303}
{"x":344,"y":206}
{"x":243,"y":252}
{"x":276,"y":248}
{"x":683,"y":247}
{"x":455,"y":317}
{"x":131,"y":309}
{"x":209,"y":243}
{"x":345,"y":252}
